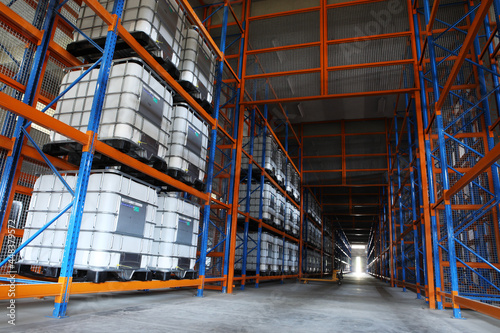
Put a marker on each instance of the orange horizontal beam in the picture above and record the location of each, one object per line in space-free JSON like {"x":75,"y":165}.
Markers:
{"x":90,"y":288}
{"x":284,"y":73}
{"x":11,"y":82}
{"x":484,"y":163}
{"x":284,"y":13}
{"x":370,"y":65}
{"x":487,"y":309}
{"x":214,"y":279}
{"x":42,"y":119}
{"x":367,"y":38}
{"x":6,"y":143}
{"x":213,"y":254}
{"x":329,"y":96}
{"x":284,"y":48}
{"x":31,"y":290}
{"x":471,"y":264}
{"x":32,"y":153}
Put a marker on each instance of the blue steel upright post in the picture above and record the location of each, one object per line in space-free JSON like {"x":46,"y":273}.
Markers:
{"x":211,"y":158}
{"x":75,"y":220}
{"x":441,"y":143}
{"x":237,"y":110}
{"x":428,"y":160}
{"x":413,"y":200}
{"x":400,"y":204}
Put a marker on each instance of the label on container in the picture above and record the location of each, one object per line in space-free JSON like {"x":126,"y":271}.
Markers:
{"x":185,"y":232}
{"x":168,"y":17}
{"x":131,"y":218}
{"x":151,"y":107}
{"x":194,"y":141}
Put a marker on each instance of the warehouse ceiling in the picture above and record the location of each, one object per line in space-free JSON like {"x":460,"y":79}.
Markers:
{"x":290,"y":78}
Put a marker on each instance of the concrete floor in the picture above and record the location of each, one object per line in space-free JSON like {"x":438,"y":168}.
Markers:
{"x":361,"y":304}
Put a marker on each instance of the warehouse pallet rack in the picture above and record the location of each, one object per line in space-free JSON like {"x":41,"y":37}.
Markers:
{"x":21,"y":162}
{"x":307,"y":220}
{"x":460,"y":149}
{"x":343,"y":260}
{"x":257,"y":122}
{"x":450,"y":148}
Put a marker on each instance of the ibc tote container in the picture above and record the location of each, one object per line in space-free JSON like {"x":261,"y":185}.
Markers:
{"x":287,"y":255}
{"x":294,"y":257}
{"x":280,"y":210}
{"x":116,"y":232}
{"x":288,"y":217}
{"x":295,"y":221}
{"x":293,"y":182}
{"x":188,"y":145}
{"x":175,"y":237}
{"x":251,"y":252}
{"x":269,"y":201}
{"x":277,"y":253}
{"x":271,"y":158}
{"x":281,"y":167}
{"x":266,"y":253}
{"x":158,"y":25}
{"x":136,"y":113}
{"x":197,"y":69}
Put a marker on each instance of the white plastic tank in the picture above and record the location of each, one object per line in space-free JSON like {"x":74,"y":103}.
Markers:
{"x":280,"y":210}
{"x":277,"y":255}
{"x":136,"y":114}
{"x":266,"y":253}
{"x":188,"y":144}
{"x":293,"y":182}
{"x":294,"y":257}
{"x":197,"y":69}
{"x":271,"y":154}
{"x":117,"y":226}
{"x":269,"y":201}
{"x":175,"y":236}
{"x":281,"y":170}
{"x":295,"y":217}
{"x":159,"y":25}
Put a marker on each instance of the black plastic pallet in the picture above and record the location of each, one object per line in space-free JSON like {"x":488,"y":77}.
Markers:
{"x":81,"y":275}
{"x":177,"y":275}
{"x":188,"y":86}
{"x":89,"y":52}
{"x":73,"y":152}
{"x":186,"y":178}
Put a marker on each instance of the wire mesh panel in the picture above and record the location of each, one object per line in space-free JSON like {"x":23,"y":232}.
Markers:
{"x":361,"y":52}
{"x":16,"y":54}
{"x":376,"y":18}
{"x":284,"y":60}
{"x":284,"y":30}
{"x":289,"y":86}
{"x":467,"y":222}
{"x":366,"y":79}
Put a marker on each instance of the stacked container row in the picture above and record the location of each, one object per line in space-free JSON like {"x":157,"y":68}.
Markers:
{"x":312,"y":234}
{"x":128,"y":231}
{"x":276,"y":257}
{"x":313,"y":209}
